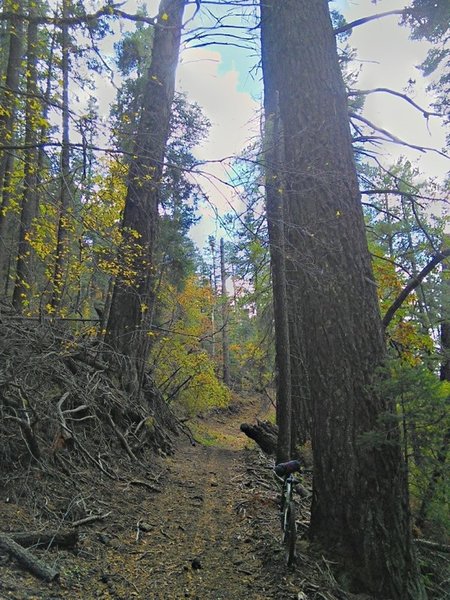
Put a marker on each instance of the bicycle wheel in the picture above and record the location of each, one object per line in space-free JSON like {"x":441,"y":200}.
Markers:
{"x":290,"y":533}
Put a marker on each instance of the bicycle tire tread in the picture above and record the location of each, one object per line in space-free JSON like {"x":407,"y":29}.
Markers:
{"x":290,"y":536}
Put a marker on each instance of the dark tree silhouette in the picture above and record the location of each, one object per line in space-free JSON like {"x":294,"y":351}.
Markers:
{"x":131,"y":306}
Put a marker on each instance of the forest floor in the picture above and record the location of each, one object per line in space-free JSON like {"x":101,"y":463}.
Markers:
{"x":211,"y":533}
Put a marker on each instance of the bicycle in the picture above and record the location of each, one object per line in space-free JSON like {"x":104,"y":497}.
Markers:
{"x":285,"y":472}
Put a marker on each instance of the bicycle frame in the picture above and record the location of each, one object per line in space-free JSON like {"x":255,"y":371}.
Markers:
{"x":285,"y":474}
{"x":287,"y":496}
{"x":288,"y":524}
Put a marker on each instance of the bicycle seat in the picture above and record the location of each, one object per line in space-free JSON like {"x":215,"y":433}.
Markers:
{"x":283,"y":469}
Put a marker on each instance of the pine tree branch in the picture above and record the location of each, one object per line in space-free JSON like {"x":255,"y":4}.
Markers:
{"x":31,"y":95}
{"x":363,"y":20}
{"x":397,"y":192}
{"x":413,"y":283}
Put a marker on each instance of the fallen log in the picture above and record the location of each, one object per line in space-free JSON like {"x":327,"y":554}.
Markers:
{"x":47,"y":539}
{"x":27,"y":560}
{"x":264,"y":433}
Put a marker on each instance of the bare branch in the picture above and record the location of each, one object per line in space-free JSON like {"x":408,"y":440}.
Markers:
{"x":413,"y":283}
{"x":401,"y":193}
{"x":389,"y":137}
{"x":363,"y":20}
{"x":426,"y":113}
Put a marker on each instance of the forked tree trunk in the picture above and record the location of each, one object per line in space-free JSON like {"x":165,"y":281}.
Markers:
{"x":360,"y":503}
{"x":131,"y":307}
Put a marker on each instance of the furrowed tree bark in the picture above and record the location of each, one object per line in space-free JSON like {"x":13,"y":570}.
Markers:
{"x":23,"y":272}
{"x":360,"y":508}
{"x":274,"y":182}
{"x":132,"y":301}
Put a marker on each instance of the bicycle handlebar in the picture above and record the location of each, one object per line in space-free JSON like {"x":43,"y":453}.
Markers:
{"x":283,"y":469}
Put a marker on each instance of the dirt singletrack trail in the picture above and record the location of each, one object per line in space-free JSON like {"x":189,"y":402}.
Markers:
{"x":211,"y":533}
{"x":199,"y":545}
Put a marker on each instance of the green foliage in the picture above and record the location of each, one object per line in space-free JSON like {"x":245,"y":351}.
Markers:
{"x":429,"y":19}
{"x":423,"y":402}
{"x":403,"y":237}
{"x":182,"y":366}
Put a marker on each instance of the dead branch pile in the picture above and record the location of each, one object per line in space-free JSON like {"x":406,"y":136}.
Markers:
{"x":62,"y":411}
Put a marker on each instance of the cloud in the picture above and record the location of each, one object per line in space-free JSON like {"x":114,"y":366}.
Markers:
{"x":389,"y":59}
{"x":231,"y":112}
{"x":234,"y":123}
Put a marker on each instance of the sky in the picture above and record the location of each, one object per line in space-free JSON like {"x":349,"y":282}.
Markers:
{"x":226,"y":83}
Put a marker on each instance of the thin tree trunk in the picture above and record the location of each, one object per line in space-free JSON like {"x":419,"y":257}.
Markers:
{"x":23,"y":272}
{"x":360,"y":508}
{"x":64,"y":198}
{"x":42,"y":156}
{"x":9,"y":94}
{"x":7,"y":122}
{"x":213,"y":282}
{"x":225,"y":315}
{"x":131,"y":307}
{"x":8,"y":227}
{"x":274,"y":181}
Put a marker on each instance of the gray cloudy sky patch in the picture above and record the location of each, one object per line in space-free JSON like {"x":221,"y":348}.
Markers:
{"x":223,"y":81}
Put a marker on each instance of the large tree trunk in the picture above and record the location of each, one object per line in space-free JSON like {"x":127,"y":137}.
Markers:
{"x":9,"y":94}
{"x":274,"y":181}
{"x":360,"y":503}
{"x":131,"y":307}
